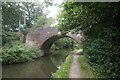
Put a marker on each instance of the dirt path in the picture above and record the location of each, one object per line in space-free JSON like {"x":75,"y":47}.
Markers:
{"x":75,"y":68}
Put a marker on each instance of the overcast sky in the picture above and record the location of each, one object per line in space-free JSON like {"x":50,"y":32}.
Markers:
{"x":54,"y":10}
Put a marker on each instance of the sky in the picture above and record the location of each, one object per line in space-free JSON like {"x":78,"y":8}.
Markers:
{"x":53,"y":10}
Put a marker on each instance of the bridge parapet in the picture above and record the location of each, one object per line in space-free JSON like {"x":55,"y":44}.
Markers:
{"x":37,"y":36}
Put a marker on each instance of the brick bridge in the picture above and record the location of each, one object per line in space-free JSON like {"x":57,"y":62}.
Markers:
{"x":44,"y":38}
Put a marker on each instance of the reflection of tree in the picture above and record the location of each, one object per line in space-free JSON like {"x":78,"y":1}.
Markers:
{"x":48,"y":66}
{"x":40,"y":68}
{"x":57,"y":60}
{"x":15,"y":70}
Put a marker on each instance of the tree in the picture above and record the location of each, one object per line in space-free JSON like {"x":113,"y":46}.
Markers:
{"x":100,"y":24}
{"x":33,"y":10}
{"x":25,"y":13}
{"x":43,"y":21}
{"x":11,"y":14}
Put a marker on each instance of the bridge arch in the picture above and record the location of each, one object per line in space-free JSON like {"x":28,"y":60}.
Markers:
{"x":44,"y":38}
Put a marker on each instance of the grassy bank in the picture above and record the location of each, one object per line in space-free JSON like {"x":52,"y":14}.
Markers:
{"x":16,"y":51}
{"x":86,"y":68}
{"x":63,"y":72}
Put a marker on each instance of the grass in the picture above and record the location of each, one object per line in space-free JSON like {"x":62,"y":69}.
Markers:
{"x":63,"y":72}
{"x":85,"y":68}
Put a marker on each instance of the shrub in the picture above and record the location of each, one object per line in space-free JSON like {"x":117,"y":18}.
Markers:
{"x":9,"y":36}
{"x":86,"y":69}
{"x":17,"y":52}
{"x":103,"y":56}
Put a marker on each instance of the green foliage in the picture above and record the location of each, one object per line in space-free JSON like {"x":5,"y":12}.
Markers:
{"x":15,"y":15}
{"x":11,"y":14}
{"x":43,"y":21}
{"x":9,"y":36}
{"x":100,"y":24}
{"x":63,"y":47}
{"x":65,"y":43}
{"x":34,"y":10}
{"x":86,"y":69}
{"x":15,"y":52}
{"x":101,"y":49}
{"x":83,"y":16}
{"x":63,"y":72}
{"x":31,"y":11}
{"x":60,"y":52}
{"x":103,"y":56}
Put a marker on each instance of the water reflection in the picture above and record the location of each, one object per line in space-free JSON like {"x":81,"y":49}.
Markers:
{"x":58,"y":60}
{"x":40,"y":68}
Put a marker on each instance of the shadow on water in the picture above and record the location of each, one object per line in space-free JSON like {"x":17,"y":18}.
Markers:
{"x":40,"y":68}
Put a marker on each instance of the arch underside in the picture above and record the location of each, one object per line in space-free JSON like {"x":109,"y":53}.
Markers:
{"x":48,"y":43}
{"x":44,"y":38}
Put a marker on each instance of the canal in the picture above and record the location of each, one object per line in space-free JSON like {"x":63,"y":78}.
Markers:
{"x":42,"y":67}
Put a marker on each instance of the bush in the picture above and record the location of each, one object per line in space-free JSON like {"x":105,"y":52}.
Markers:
{"x":17,"y":52}
{"x":9,"y":36}
{"x":86,"y":69}
{"x":103,"y":56}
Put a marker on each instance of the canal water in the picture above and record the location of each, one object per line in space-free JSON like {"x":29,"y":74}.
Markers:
{"x":42,"y":67}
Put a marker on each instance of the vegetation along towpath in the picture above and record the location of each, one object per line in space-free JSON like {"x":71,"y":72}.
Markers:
{"x":75,"y":71}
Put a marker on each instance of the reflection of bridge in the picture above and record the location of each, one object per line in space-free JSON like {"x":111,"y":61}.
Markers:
{"x":44,"y":38}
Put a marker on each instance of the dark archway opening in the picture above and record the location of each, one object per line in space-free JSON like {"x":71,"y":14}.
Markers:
{"x":59,"y":43}
{"x":61,"y":48}
{"x":64,"y":45}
